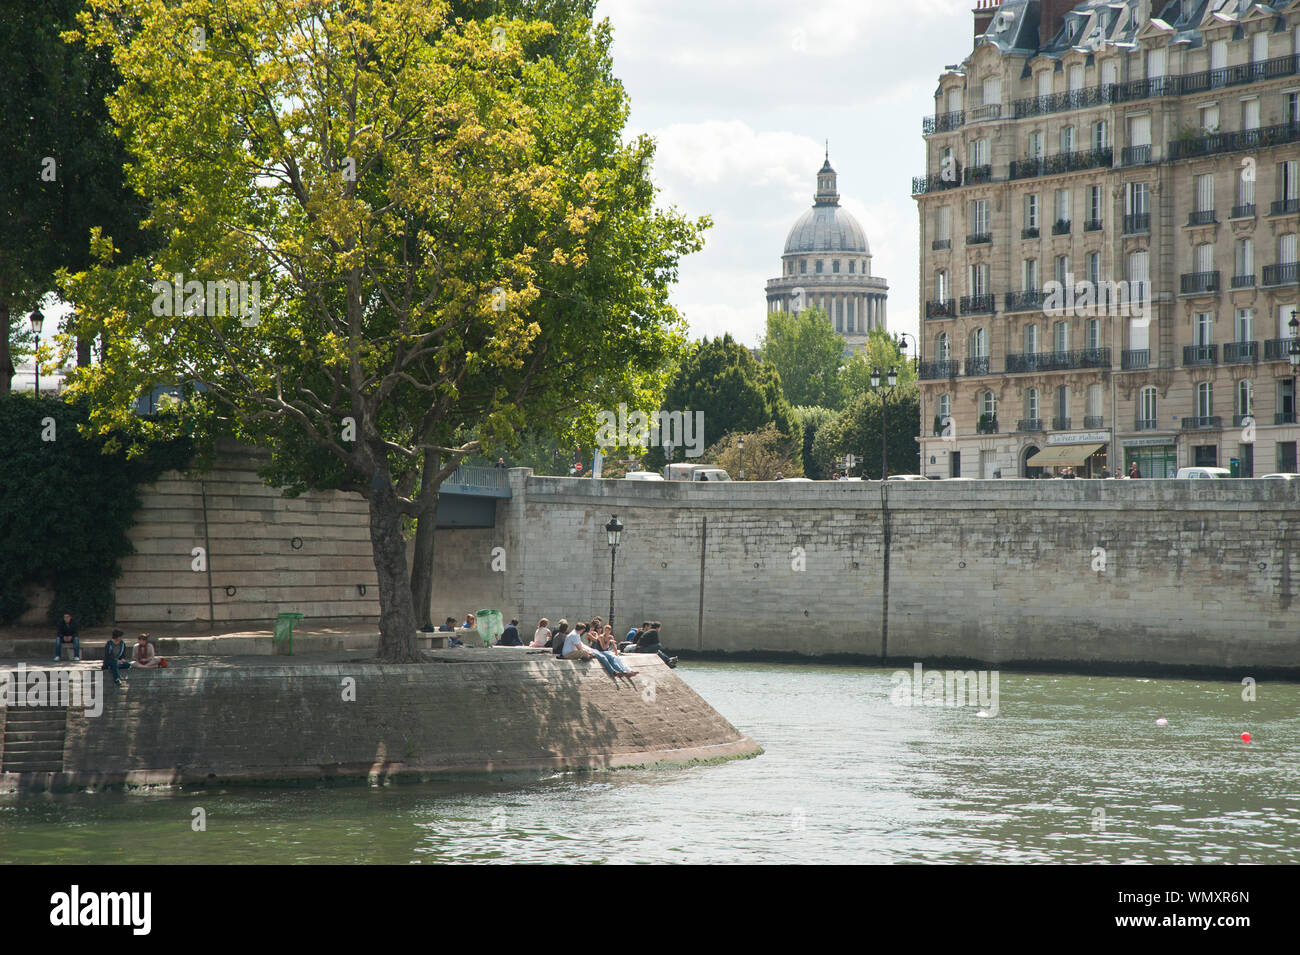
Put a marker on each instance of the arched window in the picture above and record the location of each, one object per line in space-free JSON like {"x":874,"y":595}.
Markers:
{"x":979,"y":343}
{"x":942,"y":347}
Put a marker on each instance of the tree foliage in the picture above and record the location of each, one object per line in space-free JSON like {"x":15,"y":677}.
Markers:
{"x":857,"y":431}
{"x":767,"y":455}
{"x":806,"y":352}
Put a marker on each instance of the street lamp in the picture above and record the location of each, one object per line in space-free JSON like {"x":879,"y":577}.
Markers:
{"x":740,"y":442}
{"x":38,"y":322}
{"x":902,"y":347}
{"x":614,"y":531}
{"x":892,"y":379}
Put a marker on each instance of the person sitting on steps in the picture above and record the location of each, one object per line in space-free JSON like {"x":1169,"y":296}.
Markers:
{"x":115,"y":657}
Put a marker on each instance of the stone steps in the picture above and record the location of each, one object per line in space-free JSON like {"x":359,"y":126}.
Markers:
{"x":33,"y":739}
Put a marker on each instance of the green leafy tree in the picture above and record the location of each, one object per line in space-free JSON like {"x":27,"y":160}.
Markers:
{"x":881,"y":351}
{"x":857,"y":431}
{"x":766,"y":455}
{"x":810,"y":419}
{"x":449,"y":234}
{"x":807,"y":352}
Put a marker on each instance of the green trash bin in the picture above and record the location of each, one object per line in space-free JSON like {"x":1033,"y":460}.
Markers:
{"x":489,"y":625}
{"x":1234,"y":467}
{"x":283,"y":639}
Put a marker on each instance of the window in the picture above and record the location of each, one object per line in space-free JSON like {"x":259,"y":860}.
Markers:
{"x":1138,"y":266}
{"x":1137,"y":198}
{"x":1062,"y":405}
{"x":979,"y":279}
{"x":941,"y":285}
{"x":954,"y":99}
{"x":1250,"y":113}
{"x":943,"y":347}
{"x":1067,"y":139}
{"x":1293,"y":107}
{"x":1259,"y":47}
{"x":942,"y":226}
{"x":945,"y":407}
{"x":1205,"y":257}
{"x":1031,"y":339}
{"x":1075,"y":77}
{"x":992,"y":90}
{"x":1286,"y":458}
{"x":803,"y":266}
{"x":852,"y":264}
{"x":1094,"y":401}
{"x":1029,"y":275}
{"x":1210,"y":118}
{"x":1062,"y":205}
{"x":989,"y":406}
{"x":1031,"y":404}
{"x":835,"y":266}
{"x":1061,"y":337}
{"x":1139,"y":131}
{"x":1155,"y":64}
{"x":979,"y":216}
{"x":1288,"y":183}
{"x":1061,"y":266}
{"x":1092,"y":267}
{"x":1100,"y":134}
{"x":979,"y":343}
{"x":1147,"y":404}
{"x":1245,"y":257}
{"x":1096,"y":199}
{"x":1093,"y":333}
{"x":819,"y":266}
{"x":1109,"y":73}
{"x":1044,"y":81}
{"x":1245,"y":325}
{"x":1204,"y":399}
{"x":1031,"y":212}
{"x":1286,"y":249}
{"x":1205,"y":192}
{"x":979,"y":152}
{"x":1245,"y":190}
{"x":1203,"y":329}
{"x":1245,"y":397}
{"x":1035,"y":145}
{"x":1218,"y":55}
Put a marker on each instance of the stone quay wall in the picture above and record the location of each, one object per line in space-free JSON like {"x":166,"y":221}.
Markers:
{"x":491,"y":711}
{"x":1078,"y":574}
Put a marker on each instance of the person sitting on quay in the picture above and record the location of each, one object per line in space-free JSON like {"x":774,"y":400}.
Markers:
{"x":576,"y":649}
{"x":66,"y":632}
{"x":145,"y":654}
{"x":634,"y":633}
{"x":558,"y":637}
{"x":448,"y":625}
{"x":510,"y":636}
{"x":648,"y":642}
{"x":115,"y":657}
{"x":542,"y":635}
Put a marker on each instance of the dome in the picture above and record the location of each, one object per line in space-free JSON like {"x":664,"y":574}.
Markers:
{"x":826,"y":229}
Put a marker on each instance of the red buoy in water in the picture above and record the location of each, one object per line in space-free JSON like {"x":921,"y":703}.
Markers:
{"x":1245,"y":737}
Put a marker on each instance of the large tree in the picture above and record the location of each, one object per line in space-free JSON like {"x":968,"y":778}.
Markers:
{"x":807,"y":353}
{"x":857,"y":431}
{"x":449,"y":236}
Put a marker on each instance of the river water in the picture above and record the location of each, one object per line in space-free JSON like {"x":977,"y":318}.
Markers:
{"x":1069,"y":769}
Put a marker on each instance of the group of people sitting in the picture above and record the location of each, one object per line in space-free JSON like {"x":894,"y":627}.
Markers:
{"x":67,"y":634}
{"x":593,"y":640}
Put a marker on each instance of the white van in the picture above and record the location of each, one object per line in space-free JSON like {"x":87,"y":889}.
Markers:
{"x":695,"y":472}
{"x":1196,"y":473}
{"x":642,"y":476}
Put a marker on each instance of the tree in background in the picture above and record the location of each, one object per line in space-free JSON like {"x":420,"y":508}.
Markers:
{"x":880,"y":351}
{"x":767,"y":454}
{"x":810,"y":419}
{"x":449,"y":234}
{"x":61,"y":166}
{"x":857,"y":431}
{"x":806,"y":352}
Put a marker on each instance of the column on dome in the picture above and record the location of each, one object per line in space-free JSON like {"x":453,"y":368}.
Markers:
{"x":871,"y":312}
{"x":883,"y":309}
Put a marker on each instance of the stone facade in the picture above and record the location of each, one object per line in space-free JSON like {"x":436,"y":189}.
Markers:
{"x":1106,"y":144}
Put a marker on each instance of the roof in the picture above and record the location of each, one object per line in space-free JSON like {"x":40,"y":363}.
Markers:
{"x":826,"y":229}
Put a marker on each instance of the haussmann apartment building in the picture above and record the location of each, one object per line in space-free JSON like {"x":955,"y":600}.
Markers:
{"x":1113,"y":146}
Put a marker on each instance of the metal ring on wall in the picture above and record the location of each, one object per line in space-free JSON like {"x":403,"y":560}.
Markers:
{"x":231,"y":591}
{"x":296,"y":543}
{"x":361,"y":589}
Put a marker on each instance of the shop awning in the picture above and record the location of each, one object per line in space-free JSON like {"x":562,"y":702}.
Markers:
{"x":1063,"y":455}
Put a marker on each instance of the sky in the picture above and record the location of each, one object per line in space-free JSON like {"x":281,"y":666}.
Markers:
{"x":740,"y":97}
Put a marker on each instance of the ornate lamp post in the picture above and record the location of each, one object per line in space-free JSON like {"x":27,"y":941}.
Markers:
{"x":740,"y":443}
{"x":614,"y":531}
{"x":892,"y":379}
{"x":38,"y":322}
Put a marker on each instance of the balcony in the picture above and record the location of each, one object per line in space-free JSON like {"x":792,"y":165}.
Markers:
{"x":1060,"y":424}
{"x":1135,"y":155}
{"x":1244,"y":211}
{"x":987,"y":111}
{"x":1030,"y":424}
{"x":977,"y":366}
{"x":1209,"y":144}
{"x":1200,"y":354}
{"x":974,"y":175}
{"x":933,"y":183}
{"x":979,"y":238}
{"x":942,"y":122}
{"x":1091,"y":225}
{"x":1059,"y":102}
{"x":1137,"y":222}
{"x":1061,"y":162}
{"x":941,"y":308}
{"x":1202,"y":217}
{"x":1092,"y":422}
{"x":1061,"y":227}
{"x":1236,"y":353}
{"x":1240,"y":419}
{"x":977,"y":304}
{"x":1284,"y":207}
{"x":939,"y":245}
{"x":1023,"y":301}
{"x":1133,"y":359}
{"x":1146,"y":424}
{"x":987,"y":424}
{"x":1284,"y":417}
{"x":931,"y":370}
{"x":1203,"y":423}
{"x":1058,"y":360}
{"x":1288,"y":273}
{"x":1199,"y":283}
{"x":1277,"y":349}
{"x":1030,"y":233}
{"x":1243,"y":281}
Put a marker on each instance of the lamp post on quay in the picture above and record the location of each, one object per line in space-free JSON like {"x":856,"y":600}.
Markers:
{"x":892,"y":379}
{"x":740,"y":443}
{"x":614,"y":530}
{"x":38,"y":322}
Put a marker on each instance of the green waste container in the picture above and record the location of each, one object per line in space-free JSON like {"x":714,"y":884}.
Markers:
{"x":1234,"y":466}
{"x":283,"y":639}
{"x":489,"y":625}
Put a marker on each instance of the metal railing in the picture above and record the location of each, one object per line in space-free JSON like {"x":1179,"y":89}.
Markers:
{"x":1195,"y":283}
{"x":1208,"y":144}
{"x":931,"y":370}
{"x":1281,"y":207}
{"x":1092,"y":225}
{"x":1284,"y":417}
{"x":942,"y":122}
{"x":470,"y":476}
{"x":1277,"y":349}
{"x":1029,"y":233}
{"x":1146,"y":424}
{"x":1132,"y":359}
{"x":1060,"y":424}
{"x":1030,"y":424}
{"x":974,"y":175}
{"x":1244,"y":211}
{"x":941,"y":308}
{"x":940,"y":244}
{"x":1200,"y":354}
{"x":977,"y":304}
{"x":986,"y":425}
{"x":1019,"y":362}
{"x":1243,"y":281}
{"x":1201,"y":217}
{"x":1238,"y":352}
{"x":979,"y":238}
{"x":1092,"y":421}
{"x":1061,"y":162}
{"x":933,"y":183}
{"x":977,"y":366}
{"x":1061,"y":227}
{"x":1135,"y":155}
{"x":1025,"y":301}
{"x":1137,"y":222}
{"x":1288,"y":273}
{"x":1202,"y":423}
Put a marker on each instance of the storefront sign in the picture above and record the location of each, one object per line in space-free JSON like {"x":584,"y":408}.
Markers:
{"x":1147,"y":442}
{"x":1079,"y":437}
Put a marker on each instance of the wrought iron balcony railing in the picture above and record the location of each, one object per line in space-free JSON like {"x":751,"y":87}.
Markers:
{"x":931,"y":370}
{"x":979,"y":365}
{"x":1288,"y":273}
{"x":1196,"y":283}
{"x":1200,"y":354}
{"x":1137,"y":222}
{"x":1202,"y":423}
{"x":941,"y":308}
{"x":1026,"y":301}
{"x":1132,"y":359}
{"x":1030,"y":424}
{"x":1239,"y":352}
{"x":1201,"y":217}
{"x":977,"y":304}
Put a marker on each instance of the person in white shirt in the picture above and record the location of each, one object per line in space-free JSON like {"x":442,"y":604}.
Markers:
{"x":576,"y":649}
{"x":543,"y":633}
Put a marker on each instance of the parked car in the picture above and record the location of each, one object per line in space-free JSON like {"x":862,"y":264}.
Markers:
{"x":642,"y":476}
{"x":695,"y":472}
{"x":906,"y":477}
{"x":710,"y":474}
{"x":798,"y":480}
{"x":1282,"y":476}
{"x":1201,"y":473}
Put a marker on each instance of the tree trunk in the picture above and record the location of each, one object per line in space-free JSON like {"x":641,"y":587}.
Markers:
{"x":5,"y":382}
{"x":396,"y":616}
{"x":426,"y":523}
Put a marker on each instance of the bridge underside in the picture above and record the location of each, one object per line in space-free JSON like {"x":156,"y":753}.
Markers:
{"x":467,"y":510}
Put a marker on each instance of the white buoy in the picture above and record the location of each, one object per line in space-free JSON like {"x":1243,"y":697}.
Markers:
{"x":1162,"y":722}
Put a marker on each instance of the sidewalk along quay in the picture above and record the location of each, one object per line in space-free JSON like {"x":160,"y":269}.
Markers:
{"x":221,"y":718}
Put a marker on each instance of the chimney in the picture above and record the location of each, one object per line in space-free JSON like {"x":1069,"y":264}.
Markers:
{"x":984,"y":12}
{"x":1051,"y":17}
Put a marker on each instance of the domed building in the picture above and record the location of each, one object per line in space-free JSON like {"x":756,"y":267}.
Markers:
{"x":827,"y":263}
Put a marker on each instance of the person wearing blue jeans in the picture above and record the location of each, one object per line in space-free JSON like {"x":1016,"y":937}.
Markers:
{"x":67,"y":633}
{"x":575,"y":649}
{"x":115,"y":657}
